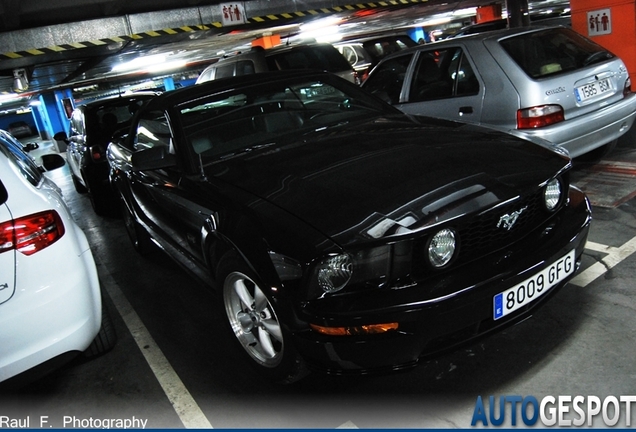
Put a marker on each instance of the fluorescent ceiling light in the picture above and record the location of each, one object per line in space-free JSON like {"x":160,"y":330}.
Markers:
{"x":140,"y":63}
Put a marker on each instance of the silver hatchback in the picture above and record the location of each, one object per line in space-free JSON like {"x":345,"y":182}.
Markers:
{"x":540,"y":83}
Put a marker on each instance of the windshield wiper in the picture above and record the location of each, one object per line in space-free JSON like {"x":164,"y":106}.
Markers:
{"x":596,"y":57}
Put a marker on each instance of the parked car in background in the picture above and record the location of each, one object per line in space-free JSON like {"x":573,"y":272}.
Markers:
{"x":92,"y":126}
{"x":541,"y":83}
{"x":342,"y":235}
{"x":20,"y":129}
{"x":50,"y":299}
{"x":544,"y":20}
{"x":364,"y":53}
{"x":284,"y":57}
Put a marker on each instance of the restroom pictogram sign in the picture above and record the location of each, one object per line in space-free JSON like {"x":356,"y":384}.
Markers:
{"x":599,"y":22}
{"x":232,"y":13}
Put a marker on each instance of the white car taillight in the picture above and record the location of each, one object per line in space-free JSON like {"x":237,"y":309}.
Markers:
{"x":627,"y":89}
{"x":30,"y":234}
{"x":539,"y":116}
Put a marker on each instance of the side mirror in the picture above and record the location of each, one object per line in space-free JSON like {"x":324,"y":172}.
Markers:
{"x":153,"y":158}
{"x":52,"y":161}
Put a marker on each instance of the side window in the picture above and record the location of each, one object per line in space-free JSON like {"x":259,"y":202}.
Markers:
{"x":224,"y":71}
{"x":466,"y":83}
{"x":152,"y":131}
{"x":431,"y":80}
{"x":442,"y":74}
{"x":244,"y":67}
{"x":387,"y":78}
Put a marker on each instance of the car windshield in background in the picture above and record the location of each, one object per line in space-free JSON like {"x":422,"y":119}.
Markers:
{"x":309,"y":57}
{"x":552,"y":52}
{"x":234,"y":122}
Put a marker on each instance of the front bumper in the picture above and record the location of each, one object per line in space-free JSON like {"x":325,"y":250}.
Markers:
{"x":429,"y":325}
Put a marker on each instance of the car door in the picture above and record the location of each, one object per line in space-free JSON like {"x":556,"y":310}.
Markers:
{"x":436,"y":82}
{"x":168,"y":200}
{"x":443,"y":83}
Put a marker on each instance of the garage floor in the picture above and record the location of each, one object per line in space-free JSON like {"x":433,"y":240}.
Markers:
{"x":170,"y":368}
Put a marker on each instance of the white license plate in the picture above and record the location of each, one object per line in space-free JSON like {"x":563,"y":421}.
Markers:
{"x":593,"y":89}
{"x":534,"y":287}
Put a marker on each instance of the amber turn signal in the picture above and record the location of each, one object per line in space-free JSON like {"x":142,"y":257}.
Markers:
{"x":356,"y":330}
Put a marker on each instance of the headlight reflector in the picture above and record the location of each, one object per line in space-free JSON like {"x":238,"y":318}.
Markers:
{"x":335,"y":272}
{"x":552,"y":194}
{"x":441,"y":248}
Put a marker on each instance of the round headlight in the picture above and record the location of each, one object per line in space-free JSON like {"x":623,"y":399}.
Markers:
{"x":442,"y":248}
{"x":552,"y":194}
{"x":335,"y":272}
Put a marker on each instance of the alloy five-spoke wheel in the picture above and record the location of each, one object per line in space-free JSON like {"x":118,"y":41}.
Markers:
{"x":253,"y":320}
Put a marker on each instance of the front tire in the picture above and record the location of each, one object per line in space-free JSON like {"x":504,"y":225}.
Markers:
{"x":256,"y":327}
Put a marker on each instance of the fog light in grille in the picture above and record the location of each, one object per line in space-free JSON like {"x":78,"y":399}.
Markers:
{"x":552,"y":194}
{"x":355,"y":330}
{"x":441,"y":248}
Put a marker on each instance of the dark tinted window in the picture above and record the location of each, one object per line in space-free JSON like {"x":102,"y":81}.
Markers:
{"x":247,"y":118}
{"x":382,"y":48}
{"x":224,"y":71}
{"x":387,"y":78}
{"x":442,"y":74}
{"x":553,"y":51}
{"x":324,"y":57}
{"x":244,"y":67}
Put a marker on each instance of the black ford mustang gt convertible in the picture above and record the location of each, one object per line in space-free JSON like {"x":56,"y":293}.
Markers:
{"x":340,"y":234}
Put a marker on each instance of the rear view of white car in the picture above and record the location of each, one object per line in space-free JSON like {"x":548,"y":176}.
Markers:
{"x":50,"y":299}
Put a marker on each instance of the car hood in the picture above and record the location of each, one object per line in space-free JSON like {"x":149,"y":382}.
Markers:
{"x":385,"y":177}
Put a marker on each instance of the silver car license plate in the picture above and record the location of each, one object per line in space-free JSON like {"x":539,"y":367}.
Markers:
{"x":534,"y":287}
{"x":590,"y":90}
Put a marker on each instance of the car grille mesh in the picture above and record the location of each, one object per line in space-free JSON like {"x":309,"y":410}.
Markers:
{"x":485,"y":233}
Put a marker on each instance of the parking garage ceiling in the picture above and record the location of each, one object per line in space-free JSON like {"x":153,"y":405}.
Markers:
{"x":71,"y":43}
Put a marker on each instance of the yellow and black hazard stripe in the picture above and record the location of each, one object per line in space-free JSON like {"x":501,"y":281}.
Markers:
{"x":333,"y":9}
{"x":214,"y":25}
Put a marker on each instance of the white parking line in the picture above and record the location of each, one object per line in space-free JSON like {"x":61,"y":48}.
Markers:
{"x":614,"y":256}
{"x":183,"y":403}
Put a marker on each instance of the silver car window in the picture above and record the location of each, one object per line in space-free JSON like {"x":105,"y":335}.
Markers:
{"x":441,"y":74}
{"x":553,"y":51}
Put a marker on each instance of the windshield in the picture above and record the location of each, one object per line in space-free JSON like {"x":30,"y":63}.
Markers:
{"x":239,"y":120}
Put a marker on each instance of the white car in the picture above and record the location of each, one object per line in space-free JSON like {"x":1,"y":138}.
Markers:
{"x":50,"y":297}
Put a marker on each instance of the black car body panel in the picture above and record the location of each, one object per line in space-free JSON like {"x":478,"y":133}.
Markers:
{"x":367,"y":182}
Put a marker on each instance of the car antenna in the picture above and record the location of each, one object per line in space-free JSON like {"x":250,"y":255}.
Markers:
{"x":202,"y":172}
